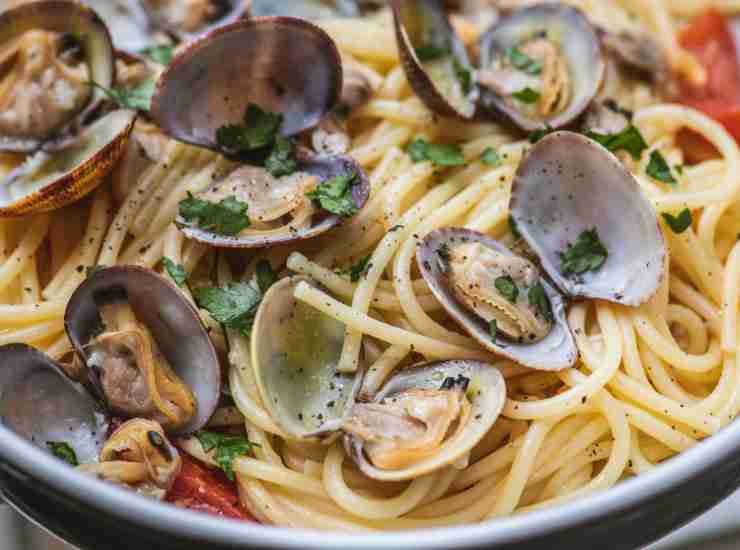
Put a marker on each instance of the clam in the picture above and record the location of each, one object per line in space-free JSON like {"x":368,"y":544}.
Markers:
{"x":305,"y":9}
{"x":585,"y":217}
{"x":146,"y":351}
{"x":138,"y":455}
{"x":295,"y":351}
{"x":40,"y":403}
{"x":134,"y":31}
{"x":498,"y":297}
{"x":540,"y":67}
{"x":52,"y":50}
{"x":424,"y":418}
{"x":433,"y":57}
{"x":279,"y":209}
{"x":285,"y":65}
{"x":187,"y":19}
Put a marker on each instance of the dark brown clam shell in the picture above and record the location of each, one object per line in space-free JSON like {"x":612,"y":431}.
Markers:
{"x":324,"y":168}
{"x":579,"y":43}
{"x":568,"y":184}
{"x":173,"y":321}
{"x":40,"y":403}
{"x":284,"y":65}
{"x":431,"y":15}
{"x":556,"y":351}
{"x":94,"y":38}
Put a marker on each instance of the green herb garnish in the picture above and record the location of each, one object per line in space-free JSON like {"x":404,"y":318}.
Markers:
{"x":490,"y":157}
{"x":493,"y":329}
{"x":357,"y":270}
{"x":280,"y":161}
{"x":538,"y":298}
{"x":162,"y":54}
{"x":522,"y":61}
{"x":63,"y":451}
{"x":233,"y":305}
{"x":175,"y":271}
{"x":228,"y":217}
{"x":335,"y":195}
{"x":227,"y":447}
{"x":630,"y":139}
{"x":658,"y":169}
{"x":513,"y":228}
{"x":507,"y":287}
{"x":137,"y":98}
{"x":527,"y":95}
{"x":464,"y":75}
{"x":680,"y":223}
{"x":266,"y":277}
{"x":586,"y":254}
{"x":430,"y":52}
{"x":538,"y":134}
{"x":442,"y":155}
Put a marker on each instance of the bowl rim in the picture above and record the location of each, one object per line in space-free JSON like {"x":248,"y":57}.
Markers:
{"x":127,"y":506}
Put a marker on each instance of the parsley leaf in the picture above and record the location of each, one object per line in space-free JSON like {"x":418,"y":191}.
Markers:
{"x":538,"y":298}
{"x":228,"y":217}
{"x":161,"y":54}
{"x":430,"y":52}
{"x":527,"y":95}
{"x":658,"y":169}
{"x":442,"y":155}
{"x":260,"y":129}
{"x":490,"y":157}
{"x":280,"y":162}
{"x":266,"y":277}
{"x":335,"y":195}
{"x":63,"y":451}
{"x":538,"y":134}
{"x":507,"y":287}
{"x":587,"y":254}
{"x":137,"y":98}
{"x":493,"y":329}
{"x":227,"y":447}
{"x":464,"y":75}
{"x":175,"y":271}
{"x":680,"y":223}
{"x":522,"y":61}
{"x":630,"y":139}
{"x":234,"y":305}
{"x":358,"y":270}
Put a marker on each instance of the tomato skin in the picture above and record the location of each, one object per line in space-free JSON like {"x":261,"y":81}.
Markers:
{"x":709,"y":38}
{"x":201,"y":489}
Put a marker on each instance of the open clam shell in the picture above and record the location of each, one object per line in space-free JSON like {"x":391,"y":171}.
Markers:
{"x":172,"y":320}
{"x":284,"y":65}
{"x":578,"y":44}
{"x":433,"y":57}
{"x":295,"y":352}
{"x":93,"y":37}
{"x":48,"y":181}
{"x":568,"y":184}
{"x":556,"y":351}
{"x":134,"y":31}
{"x":41,"y":404}
{"x":324,"y":168}
{"x":486,"y":391}
{"x":185,"y":26}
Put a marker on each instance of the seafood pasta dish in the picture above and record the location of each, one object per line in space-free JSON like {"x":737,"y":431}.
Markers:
{"x":368,"y":266}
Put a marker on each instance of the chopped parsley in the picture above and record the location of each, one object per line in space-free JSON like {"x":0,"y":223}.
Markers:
{"x":464,"y":75}
{"x":430,"y":52}
{"x":175,"y":271}
{"x":227,"y":217}
{"x":335,"y":195}
{"x":658,"y":169}
{"x":161,"y":54}
{"x":586,"y":254}
{"x":227,"y":447}
{"x":490,"y":157}
{"x":63,"y":451}
{"x":138,"y":98}
{"x":527,"y":95}
{"x":280,"y":161}
{"x":522,"y":61}
{"x":357,"y":270}
{"x":538,"y":298}
{"x":538,"y":134}
{"x":233,"y":305}
{"x":442,"y":155}
{"x":493,"y":329}
{"x":507,"y":288}
{"x":630,"y":139}
{"x":680,"y":223}
{"x":266,"y":277}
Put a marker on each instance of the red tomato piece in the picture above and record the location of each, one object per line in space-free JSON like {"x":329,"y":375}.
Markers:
{"x":202,"y":489}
